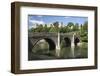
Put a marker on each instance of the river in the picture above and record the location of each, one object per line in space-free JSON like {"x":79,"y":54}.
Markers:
{"x":41,"y":52}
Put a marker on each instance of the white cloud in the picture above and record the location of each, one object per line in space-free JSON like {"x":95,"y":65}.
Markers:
{"x":31,"y":27}
{"x":39,"y":16}
{"x":34,"y":22}
{"x":37,"y":22}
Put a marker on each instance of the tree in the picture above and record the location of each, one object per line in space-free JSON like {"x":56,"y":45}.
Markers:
{"x":61,"y":29}
{"x":54,"y":27}
{"x":45,"y":28}
{"x":56,"y":24}
{"x":85,"y":26}
{"x":84,"y":32}
{"x":39,"y":28}
{"x":70,"y":26}
{"x":31,"y":30}
{"x":76,"y":27}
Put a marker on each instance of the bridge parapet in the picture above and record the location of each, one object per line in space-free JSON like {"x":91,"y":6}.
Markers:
{"x":69,"y":34}
{"x":42,"y":34}
{"x":46,"y":34}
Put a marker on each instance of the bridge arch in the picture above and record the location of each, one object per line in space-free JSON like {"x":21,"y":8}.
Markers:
{"x":67,"y":41}
{"x":76,"y":40}
{"x":51,"y":43}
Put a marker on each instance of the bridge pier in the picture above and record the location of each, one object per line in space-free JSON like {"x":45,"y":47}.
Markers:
{"x":73,"y":45}
{"x":58,"y":51}
{"x":58,"y":45}
{"x":73,"y":40}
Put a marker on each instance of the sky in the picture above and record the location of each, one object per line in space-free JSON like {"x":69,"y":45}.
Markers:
{"x":47,"y":19}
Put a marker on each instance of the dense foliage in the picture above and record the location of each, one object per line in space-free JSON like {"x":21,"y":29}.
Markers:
{"x":70,"y":27}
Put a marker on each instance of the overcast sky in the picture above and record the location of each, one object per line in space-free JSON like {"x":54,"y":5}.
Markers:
{"x":44,"y":19}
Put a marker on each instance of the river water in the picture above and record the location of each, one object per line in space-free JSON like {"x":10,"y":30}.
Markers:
{"x":41,"y":52}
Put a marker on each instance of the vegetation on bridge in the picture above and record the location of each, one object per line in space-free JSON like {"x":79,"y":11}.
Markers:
{"x":82,"y":29}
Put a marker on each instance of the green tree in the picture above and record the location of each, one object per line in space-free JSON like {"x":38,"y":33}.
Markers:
{"x":84,"y":32}
{"x":61,"y":29}
{"x":45,"y":28}
{"x":39,"y":28}
{"x":56,"y":24}
{"x":31,"y":30}
{"x":52,"y":29}
{"x":67,"y":29}
{"x":70,"y":26}
{"x":76,"y":27}
{"x":85,"y":26}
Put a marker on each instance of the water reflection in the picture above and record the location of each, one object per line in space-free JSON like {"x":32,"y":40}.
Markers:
{"x":41,"y":51}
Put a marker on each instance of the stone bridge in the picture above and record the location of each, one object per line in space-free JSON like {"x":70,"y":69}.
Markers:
{"x":52,"y":39}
